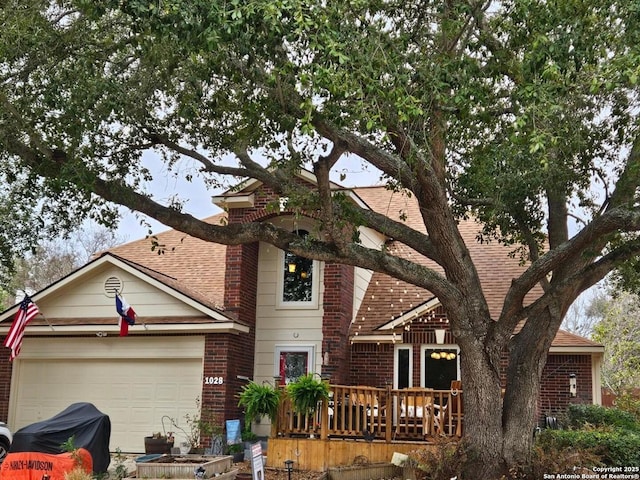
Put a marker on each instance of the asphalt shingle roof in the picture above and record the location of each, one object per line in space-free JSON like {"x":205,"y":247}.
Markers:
{"x":387,"y":298}
{"x":191,"y":265}
{"x":197,"y":268}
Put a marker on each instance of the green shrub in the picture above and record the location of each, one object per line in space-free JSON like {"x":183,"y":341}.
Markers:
{"x":613,"y":447}
{"x":580,"y":416}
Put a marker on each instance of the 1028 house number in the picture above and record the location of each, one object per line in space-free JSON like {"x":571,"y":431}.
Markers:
{"x":213,"y":380}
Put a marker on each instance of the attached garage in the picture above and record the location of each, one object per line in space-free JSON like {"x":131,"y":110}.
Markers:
{"x":134,"y":380}
{"x":72,"y":352}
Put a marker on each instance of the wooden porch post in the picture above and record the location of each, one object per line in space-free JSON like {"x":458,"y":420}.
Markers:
{"x":324,"y":421}
{"x":388,"y":416}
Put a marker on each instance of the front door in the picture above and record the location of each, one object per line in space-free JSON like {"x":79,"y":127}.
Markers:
{"x":293,"y":364}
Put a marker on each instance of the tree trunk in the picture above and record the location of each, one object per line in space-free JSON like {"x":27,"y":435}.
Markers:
{"x":527,"y":358}
{"x":520,"y":409}
{"x":483,"y":412}
{"x":498,"y":434}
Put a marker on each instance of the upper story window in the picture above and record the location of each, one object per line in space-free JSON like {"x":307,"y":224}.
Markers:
{"x":298,"y":280}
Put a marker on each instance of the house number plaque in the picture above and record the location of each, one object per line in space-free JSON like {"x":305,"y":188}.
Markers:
{"x":213,"y":380}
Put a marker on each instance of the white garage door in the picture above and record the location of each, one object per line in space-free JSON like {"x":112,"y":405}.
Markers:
{"x":136,"y":381}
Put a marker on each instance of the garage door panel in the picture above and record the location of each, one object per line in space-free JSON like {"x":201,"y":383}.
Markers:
{"x":135,"y":392}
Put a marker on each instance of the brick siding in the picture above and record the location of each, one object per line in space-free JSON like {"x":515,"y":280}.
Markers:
{"x":338,"y":311}
{"x":372,"y":365}
{"x":5,"y":384}
{"x":554,"y":393}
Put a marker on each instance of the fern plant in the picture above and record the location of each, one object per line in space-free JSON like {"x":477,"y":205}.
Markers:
{"x":258,"y":400}
{"x":307,"y":392}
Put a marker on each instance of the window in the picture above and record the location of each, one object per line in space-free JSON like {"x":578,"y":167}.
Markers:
{"x":440,"y":367}
{"x":298,"y":281}
{"x":292,"y":362}
{"x":403,"y":367}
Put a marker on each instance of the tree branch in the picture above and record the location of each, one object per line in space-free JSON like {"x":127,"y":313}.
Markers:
{"x":322,"y":168}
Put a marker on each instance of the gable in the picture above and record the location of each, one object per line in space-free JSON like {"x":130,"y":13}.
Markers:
{"x":88,"y":296}
{"x":84,"y":302}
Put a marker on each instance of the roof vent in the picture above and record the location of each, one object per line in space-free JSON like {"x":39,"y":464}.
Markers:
{"x":112,"y":285}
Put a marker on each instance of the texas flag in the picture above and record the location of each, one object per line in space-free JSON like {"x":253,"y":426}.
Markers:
{"x":127,"y":315}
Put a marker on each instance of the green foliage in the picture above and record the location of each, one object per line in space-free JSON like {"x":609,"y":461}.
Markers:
{"x":510,"y":112}
{"x":247,"y":433}
{"x":582,"y":416}
{"x":79,"y":471}
{"x":69,"y":445}
{"x":120,"y":469}
{"x":235,"y":448}
{"x":611,"y":434}
{"x":306,"y":392}
{"x":259,"y":399}
{"x":613,"y":447}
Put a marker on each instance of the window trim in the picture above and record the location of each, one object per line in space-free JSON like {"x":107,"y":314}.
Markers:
{"x":310,"y":349}
{"x":396,"y":366}
{"x":433,"y":346}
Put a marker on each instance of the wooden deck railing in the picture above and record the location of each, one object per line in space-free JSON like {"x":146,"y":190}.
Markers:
{"x":377,"y":413}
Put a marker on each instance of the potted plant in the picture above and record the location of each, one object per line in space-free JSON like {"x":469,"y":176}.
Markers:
{"x":237,"y":451}
{"x":258,"y":400}
{"x":197,"y":426}
{"x":158,"y":443}
{"x":306,"y":392}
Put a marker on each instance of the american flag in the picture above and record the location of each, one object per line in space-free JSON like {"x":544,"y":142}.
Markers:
{"x":24,"y":315}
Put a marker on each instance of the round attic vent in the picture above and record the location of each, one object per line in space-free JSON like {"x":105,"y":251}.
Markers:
{"x":112,"y":285}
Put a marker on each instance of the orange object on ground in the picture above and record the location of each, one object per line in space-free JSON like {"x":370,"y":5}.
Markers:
{"x":33,"y":465}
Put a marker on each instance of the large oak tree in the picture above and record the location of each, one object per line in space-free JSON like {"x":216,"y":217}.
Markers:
{"x":517,"y":112}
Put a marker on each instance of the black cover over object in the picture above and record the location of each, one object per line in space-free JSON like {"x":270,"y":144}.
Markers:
{"x":90,"y":428}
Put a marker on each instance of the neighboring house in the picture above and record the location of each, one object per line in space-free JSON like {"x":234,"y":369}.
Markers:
{"x":210,"y":316}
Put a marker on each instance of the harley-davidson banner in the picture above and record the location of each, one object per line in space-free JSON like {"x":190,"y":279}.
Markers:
{"x":34,"y":466}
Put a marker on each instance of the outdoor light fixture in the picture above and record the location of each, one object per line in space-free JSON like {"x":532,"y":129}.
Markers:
{"x":573,"y":385}
{"x":292,"y":267}
{"x":289,"y":465}
{"x":443,"y":355}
